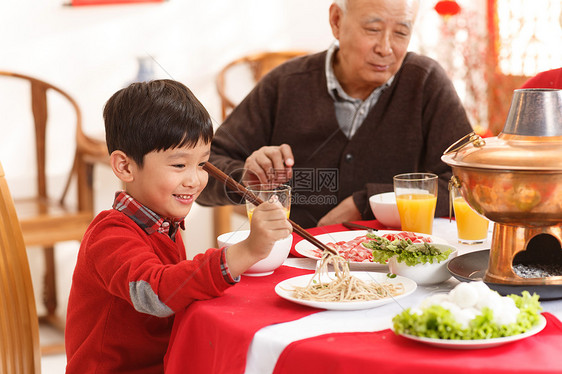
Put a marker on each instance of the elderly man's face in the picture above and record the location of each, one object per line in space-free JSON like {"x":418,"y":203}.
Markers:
{"x":374,"y":37}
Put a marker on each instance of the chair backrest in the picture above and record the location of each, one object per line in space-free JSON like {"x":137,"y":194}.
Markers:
{"x":85,"y":146}
{"x":19,"y":331}
{"x":258,"y":64}
{"x":40,"y":110}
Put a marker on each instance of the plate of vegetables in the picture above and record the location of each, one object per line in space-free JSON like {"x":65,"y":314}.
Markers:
{"x":350,"y":245}
{"x":471,"y":316}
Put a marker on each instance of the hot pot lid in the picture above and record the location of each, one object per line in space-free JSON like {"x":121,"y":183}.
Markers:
{"x":506,"y":152}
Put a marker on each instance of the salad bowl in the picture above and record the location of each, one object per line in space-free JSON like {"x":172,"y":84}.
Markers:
{"x":424,"y":273}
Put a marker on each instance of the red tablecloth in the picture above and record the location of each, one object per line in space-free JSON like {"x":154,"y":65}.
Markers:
{"x":385,"y":352}
{"x":332,"y":228}
{"x":214,"y":335}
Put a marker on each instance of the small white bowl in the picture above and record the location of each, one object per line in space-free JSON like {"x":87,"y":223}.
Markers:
{"x":385,"y":209}
{"x":276,"y":257}
{"x":427,"y":273}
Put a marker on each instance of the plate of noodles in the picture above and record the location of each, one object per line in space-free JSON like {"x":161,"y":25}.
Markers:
{"x":366,"y":290}
{"x":350,"y":248}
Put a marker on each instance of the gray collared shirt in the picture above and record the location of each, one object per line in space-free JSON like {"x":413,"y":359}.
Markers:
{"x":350,"y":112}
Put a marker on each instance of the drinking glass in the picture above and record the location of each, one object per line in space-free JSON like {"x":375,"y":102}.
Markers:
{"x":280,"y":194}
{"x":472,"y":228}
{"x":416,"y":197}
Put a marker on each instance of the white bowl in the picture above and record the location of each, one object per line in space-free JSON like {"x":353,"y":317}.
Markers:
{"x":427,"y":273}
{"x":276,"y":257}
{"x":385,"y":209}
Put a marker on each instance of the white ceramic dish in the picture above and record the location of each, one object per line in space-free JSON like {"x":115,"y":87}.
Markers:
{"x":306,"y":249}
{"x":478,"y":343}
{"x":267,"y":266}
{"x":385,"y":209}
{"x":427,"y":273}
{"x":285,"y":290}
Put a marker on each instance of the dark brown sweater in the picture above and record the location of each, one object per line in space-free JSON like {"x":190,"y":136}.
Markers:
{"x":413,"y":122}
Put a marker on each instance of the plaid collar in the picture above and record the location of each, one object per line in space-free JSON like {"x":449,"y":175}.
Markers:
{"x":147,"y":220}
{"x":336,"y":90}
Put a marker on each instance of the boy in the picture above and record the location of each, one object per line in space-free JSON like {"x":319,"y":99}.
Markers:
{"x":132,"y":274}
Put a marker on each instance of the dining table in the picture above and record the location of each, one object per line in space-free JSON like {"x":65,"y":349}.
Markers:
{"x":250,"y":329}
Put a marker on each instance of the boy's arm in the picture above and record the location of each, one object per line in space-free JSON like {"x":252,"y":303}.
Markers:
{"x":130,"y":269}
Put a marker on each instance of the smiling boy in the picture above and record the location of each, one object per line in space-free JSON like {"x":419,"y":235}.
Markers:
{"x":132,"y":274}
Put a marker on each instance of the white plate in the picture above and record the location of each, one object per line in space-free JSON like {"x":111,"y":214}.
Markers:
{"x":479,"y":343}
{"x":306,"y":248}
{"x":285,"y":290}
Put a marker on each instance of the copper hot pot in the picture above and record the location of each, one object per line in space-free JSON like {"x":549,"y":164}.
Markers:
{"x":515,"y":180}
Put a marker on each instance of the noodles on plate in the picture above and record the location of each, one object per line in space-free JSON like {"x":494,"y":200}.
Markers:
{"x":344,"y":287}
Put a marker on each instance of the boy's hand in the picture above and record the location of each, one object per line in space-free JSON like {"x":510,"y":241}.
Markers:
{"x":269,"y":224}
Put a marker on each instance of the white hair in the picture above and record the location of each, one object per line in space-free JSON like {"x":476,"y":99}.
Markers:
{"x":342,"y":4}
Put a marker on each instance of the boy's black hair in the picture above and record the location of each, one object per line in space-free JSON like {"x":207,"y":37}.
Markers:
{"x":154,"y":116}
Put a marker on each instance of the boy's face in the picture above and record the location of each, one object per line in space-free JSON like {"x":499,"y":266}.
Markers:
{"x":170,"y":180}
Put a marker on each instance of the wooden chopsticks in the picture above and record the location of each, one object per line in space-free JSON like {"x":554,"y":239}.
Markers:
{"x":245,"y":193}
{"x":355,"y":226}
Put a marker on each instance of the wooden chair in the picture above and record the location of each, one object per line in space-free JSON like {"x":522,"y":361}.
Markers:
{"x":19,"y":331}
{"x":256,"y":66}
{"x":46,"y":219}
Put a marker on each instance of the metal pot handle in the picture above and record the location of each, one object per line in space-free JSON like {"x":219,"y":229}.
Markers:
{"x":454,"y":182}
{"x":471,"y":138}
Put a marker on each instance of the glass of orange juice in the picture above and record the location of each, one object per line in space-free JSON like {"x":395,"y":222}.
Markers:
{"x":272,"y":193}
{"x":416,"y":197}
{"x":472,"y":228}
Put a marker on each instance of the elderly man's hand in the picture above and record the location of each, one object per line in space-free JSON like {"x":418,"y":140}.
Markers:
{"x":270,"y":164}
{"x":344,"y":211}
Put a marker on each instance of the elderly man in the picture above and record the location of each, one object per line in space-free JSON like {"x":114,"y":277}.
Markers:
{"x":341,"y":123}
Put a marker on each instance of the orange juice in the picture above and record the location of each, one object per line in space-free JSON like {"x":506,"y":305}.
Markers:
{"x":251,"y":213}
{"x":416,"y":212}
{"x":470,"y":225}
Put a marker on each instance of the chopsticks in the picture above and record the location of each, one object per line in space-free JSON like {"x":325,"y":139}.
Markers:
{"x":355,"y":226}
{"x":243,"y":191}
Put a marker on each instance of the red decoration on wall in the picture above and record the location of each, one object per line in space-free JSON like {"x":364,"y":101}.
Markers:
{"x":447,"y":8}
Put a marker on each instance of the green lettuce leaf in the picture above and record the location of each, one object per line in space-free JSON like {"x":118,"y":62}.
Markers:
{"x":439,"y":323}
{"x":404,"y":250}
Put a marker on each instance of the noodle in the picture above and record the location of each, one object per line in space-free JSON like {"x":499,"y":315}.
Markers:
{"x":344,"y":287}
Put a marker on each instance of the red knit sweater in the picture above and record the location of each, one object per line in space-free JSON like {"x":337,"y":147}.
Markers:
{"x":126,"y":286}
